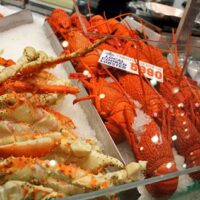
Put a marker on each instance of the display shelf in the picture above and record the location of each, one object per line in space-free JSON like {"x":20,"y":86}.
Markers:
{"x":125,"y":187}
{"x":18,"y":3}
{"x":13,"y":40}
{"x":44,"y":7}
{"x":182,"y":173}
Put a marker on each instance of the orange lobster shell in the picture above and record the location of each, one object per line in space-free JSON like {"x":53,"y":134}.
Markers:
{"x":119,"y":115}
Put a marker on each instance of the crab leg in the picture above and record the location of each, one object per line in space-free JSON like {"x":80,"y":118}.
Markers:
{"x":29,"y":144}
{"x":21,"y":87}
{"x":57,"y":146}
{"x":33,"y":61}
{"x":36,"y":116}
{"x":40,"y":83}
{"x":10,"y":99}
{"x":63,"y":187}
{"x":35,"y":170}
{"x":13,"y":190}
{"x":8,"y":128}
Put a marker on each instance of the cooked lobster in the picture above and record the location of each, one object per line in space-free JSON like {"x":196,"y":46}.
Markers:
{"x":122,"y":118}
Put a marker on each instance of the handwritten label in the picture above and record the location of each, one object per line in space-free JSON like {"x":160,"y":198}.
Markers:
{"x":131,"y":65}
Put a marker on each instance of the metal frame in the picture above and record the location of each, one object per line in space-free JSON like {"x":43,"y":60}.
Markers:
{"x":187,"y":21}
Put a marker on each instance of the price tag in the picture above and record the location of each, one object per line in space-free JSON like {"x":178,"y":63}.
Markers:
{"x":131,"y":65}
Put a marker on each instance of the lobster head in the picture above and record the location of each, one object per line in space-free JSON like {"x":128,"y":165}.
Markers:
{"x":59,"y":18}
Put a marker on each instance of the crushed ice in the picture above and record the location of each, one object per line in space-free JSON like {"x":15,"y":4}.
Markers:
{"x":140,"y":121}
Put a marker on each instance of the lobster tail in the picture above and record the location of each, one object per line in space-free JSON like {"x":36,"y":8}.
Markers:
{"x":188,"y":140}
{"x":155,"y":148}
{"x":164,"y":188}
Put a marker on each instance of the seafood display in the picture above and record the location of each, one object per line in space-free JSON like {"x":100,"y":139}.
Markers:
{"x":151,"y":117}
{"x":41,"y":156}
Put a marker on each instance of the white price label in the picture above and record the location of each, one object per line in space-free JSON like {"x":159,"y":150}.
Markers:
{"x":131,"y":65}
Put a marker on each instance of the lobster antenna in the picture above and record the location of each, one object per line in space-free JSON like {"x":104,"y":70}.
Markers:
{"x":121,"y":15}
{"x":128,"y":26}
{"x":176,"y":63}
{"x":141,"y":80}
{"x":169,"y":125}
{"x":192,"y":111}
{"x":114,"y":38}
{"x":135,"y":39}
{"x":187,"y":53}
{"x":82,"y":78}
{"x":79,"y":17}
{"x":89,"y":8}
{"x":104,"y":15}
{"x":118,"y":84}
{"x":146,"y":39}
{"x":164,"y":125}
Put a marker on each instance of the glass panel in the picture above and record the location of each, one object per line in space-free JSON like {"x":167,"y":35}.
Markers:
{"x":188,"y":186}
{"x":183,"y":115}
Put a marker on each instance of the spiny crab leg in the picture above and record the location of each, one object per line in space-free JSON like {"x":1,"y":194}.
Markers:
{"x":29,"y":145}
{"x":39,"y":83}
{"x":33,"y":61}
{"x":63,"y":187}
{"x":21,"y":87}
{"x":22,"y":190}
{"x":40,"y":170}
{"x":59,"y":146}
{"x":14,"y":107}
{"x":86,"y":156}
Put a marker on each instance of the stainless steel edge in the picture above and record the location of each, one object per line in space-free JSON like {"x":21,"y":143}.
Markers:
{"x":166,"y":40}
{"x":43,"y":8}
{"x":93,"y":117}
{"x":132,"y":185}
{"x":18,"y":3}
{"x":16,"y":19}
{"x":187,"y":21}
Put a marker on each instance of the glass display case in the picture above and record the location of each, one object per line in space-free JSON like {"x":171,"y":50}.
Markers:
{"x":174,"y":169}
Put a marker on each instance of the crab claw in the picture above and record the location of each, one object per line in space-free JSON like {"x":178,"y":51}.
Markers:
{"x":96,"y":160}
{"x":132,"y":172}
{"x":90,"y":159}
